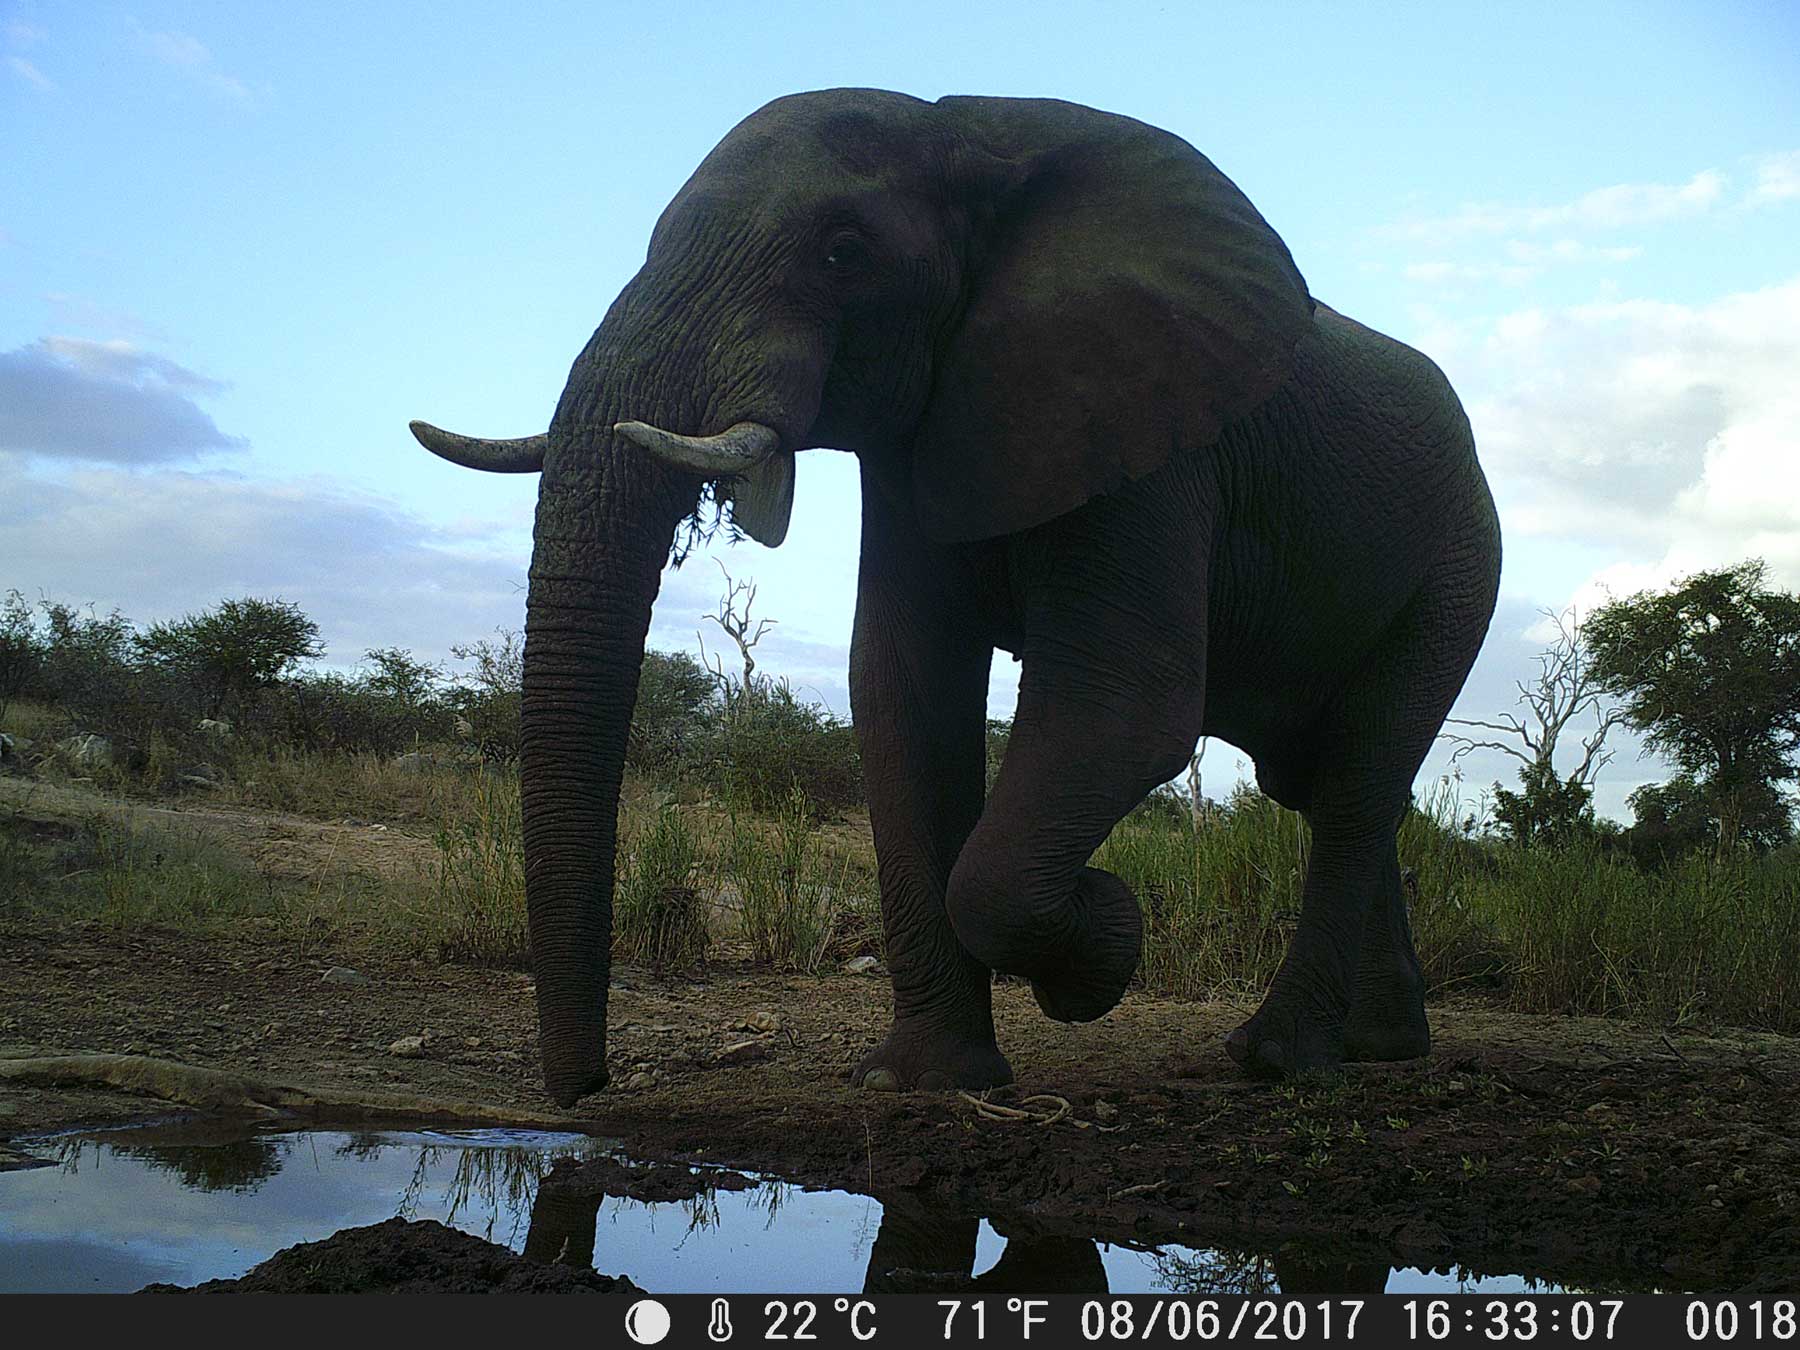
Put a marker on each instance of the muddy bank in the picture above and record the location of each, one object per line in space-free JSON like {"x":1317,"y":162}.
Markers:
{"x":1589,"y":1150}
{"x":398,"y":1257}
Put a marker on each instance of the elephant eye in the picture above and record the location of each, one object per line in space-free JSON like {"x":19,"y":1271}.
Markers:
{"x":846,"y":253}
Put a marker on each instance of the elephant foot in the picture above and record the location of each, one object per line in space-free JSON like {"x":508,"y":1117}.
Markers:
{"x":932,"y":1061}
{"x":1104,"y":954}
{"x":1287,"y":1036}
{"x":1387,"y":1020}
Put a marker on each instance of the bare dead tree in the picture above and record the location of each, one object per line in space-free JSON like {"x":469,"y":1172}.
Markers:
{"x":1196,"y":802}
{"x":1565,"y":689}
{"x":735,"y":622}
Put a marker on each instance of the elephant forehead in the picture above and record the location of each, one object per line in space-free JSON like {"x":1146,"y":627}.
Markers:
{"x":827,"y":133}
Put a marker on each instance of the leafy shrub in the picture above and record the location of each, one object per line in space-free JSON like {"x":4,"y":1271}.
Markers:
{"x":227,"y":653}
{"x":676,"y":712}
{"x":487,"y":702}
{"x":771,"y":746}
{"x":658,"y":916}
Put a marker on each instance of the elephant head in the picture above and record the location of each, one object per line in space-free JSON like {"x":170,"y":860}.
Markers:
{"x":1005,"y":306}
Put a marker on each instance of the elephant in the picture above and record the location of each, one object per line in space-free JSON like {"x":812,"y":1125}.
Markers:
{"x":1101,"y":424}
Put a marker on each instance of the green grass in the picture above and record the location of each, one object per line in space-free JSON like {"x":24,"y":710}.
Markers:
{"x":126,"y":874}
{"x":1568,"y":930}
{"x":476,"y":912}
{"x":659,"y":914}
{"x":1572,"y":929}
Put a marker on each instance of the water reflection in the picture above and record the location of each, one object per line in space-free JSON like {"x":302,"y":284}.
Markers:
{"x":188,"y":1205}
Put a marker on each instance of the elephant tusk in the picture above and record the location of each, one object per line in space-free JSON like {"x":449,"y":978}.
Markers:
{"x":523,"y":455}
{"x":731,"y":451}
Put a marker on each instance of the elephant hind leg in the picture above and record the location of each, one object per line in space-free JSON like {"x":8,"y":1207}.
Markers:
{"x":1350,"y":985}
{"x":1387,"y":1000}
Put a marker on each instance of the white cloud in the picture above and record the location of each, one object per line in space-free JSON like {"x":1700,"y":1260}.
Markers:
{"x":1669,"y":434}
{"x":1614,"y":207}
{"x":75,"y":398}
{"x":30,"y":73}
{"x":187,"y":54}
{"x":165,"y":542}
{"x":1777,"y":180}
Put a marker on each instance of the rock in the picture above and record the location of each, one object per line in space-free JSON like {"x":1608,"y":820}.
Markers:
{"x":742,"y":1052}
{"x":408,"y":1047}
{"x":760,"y":1022}
{"x":640,"y":1081}
{"x":413,"y":762}
{"x":89,"y":751}
{"x":859,"y":965}
{"x":212,"y":726}
{"x":343,"y":975}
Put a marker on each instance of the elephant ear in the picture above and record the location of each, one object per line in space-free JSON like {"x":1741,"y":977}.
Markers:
{"x":1124,"y":301}
{"x":762,"y":499}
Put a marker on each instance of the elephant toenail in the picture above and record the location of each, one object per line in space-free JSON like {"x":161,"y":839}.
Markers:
{"x":936,"y":1080}
{"x":1272,"y":1055}
{"x":881,"y":1080}
{"x":1237,"y":1045}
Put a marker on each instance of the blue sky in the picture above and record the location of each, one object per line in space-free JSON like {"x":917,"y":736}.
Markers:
{"x":241,"y":245}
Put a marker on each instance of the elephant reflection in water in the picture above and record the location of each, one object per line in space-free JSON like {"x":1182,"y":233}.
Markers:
{"x":924,"y":1250}
{"x":921,"y":1248}
{"x":918,"y":1249}
{"x":563,"y":1222}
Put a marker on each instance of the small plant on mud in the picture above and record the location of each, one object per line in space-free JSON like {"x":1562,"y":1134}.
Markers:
{"x":658,"y":915}
{"x":480,"y":903}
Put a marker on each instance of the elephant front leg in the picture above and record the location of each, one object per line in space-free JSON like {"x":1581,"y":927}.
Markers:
{"x":918,"y":690}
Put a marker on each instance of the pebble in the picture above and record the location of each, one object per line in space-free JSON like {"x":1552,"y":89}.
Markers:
{"x":859,"y":965}
{"x":743,"y":1052}
{"x":761,"y":1022}
{"x":408,"y":1047}
{"x":343,"y":975}
{"x":639,"y":1081}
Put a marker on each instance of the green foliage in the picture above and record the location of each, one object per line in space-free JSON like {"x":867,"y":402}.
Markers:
{"x":479,"y":914}
{"x":487,"y":707}
{"x":658,"y":914}
{"x":999,"y":736}
{"x":769,"y":747}
{"x":676,"y":711}
{"x":86,"y":666}
{"x":19,"y":653}
{"x":785,"y":890}
{"x":125,"y":874}
{"x":1554,"y":928}
{"x":227,"y":653}
{"x":1548,"y":811}
{"x":1710,"y":673}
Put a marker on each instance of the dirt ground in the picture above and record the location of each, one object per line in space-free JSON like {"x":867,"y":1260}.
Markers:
{"x":1588,"y":1152}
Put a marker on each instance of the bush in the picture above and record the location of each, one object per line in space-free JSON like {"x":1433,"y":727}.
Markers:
{"x":225,"y":655}
{"x":487,"y":708}
{"x":770,"y":746}
{"x":675,"y":714}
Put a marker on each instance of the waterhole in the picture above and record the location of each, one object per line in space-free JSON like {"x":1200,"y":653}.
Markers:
{"x":114,"y":1212}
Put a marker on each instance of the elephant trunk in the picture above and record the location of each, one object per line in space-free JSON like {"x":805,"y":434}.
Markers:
{"x":605,"y":517}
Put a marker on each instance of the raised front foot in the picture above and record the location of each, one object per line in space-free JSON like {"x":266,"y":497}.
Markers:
{"x":1105,"y":958}
{"x":931,"y":1061}
{"x":1287,"y":1036}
